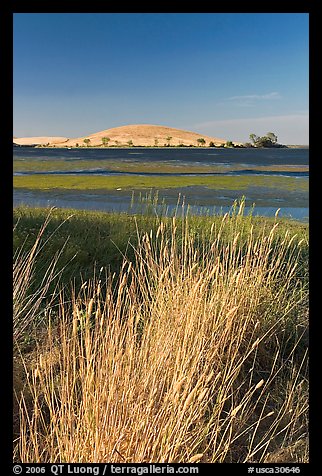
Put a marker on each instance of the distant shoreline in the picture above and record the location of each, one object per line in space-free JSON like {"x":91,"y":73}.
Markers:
{"x":149,"y":136}
{"x":37,"y":146}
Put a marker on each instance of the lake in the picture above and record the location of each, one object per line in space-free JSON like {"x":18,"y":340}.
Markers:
{"x":208,"y":179}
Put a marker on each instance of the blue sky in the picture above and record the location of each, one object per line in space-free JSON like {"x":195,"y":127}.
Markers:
{"x":225,"y":75}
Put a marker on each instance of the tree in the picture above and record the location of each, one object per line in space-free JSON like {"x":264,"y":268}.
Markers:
{"x":156,"y":142}
{"x":254,"y":138}
{"x":168,"y":139}
{"x":212,"y":144}
{"x":272,"y":137}
{"x":229,"y":143}
{"x":87,"y":141}
{"x":130,"y":143}
{"x":264,"y":142}
{"x":105,"y":141}
{"x":270,"y":140}
{"x":201,"y":141}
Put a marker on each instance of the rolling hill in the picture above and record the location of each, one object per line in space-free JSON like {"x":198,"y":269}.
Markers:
{"x":136,"y":135}
{"x":39,"y":140}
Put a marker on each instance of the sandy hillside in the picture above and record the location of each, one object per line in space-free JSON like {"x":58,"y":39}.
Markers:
{"x":143,"y":135}
{"x":38,"y":140}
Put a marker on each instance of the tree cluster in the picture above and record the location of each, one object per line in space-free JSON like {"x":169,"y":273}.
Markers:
{"x":269,"y":140}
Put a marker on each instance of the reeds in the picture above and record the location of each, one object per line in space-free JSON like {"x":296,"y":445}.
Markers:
{"x":195,"y":352}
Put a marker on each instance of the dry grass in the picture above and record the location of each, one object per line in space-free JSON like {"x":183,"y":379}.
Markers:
{"x":196,"y":353}
{"x":28,"y":309}
{"x":143,"y":135}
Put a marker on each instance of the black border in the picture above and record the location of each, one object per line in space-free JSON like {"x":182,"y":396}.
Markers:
{"x":6,"y":32}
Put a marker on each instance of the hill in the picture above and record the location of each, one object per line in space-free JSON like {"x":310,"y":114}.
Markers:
{"x":142,"y":135}
{"x":39,"y":140}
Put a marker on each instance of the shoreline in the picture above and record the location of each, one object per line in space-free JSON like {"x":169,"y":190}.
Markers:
{"x":36,"y":146}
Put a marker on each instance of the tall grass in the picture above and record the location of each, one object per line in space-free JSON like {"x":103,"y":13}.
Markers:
{"x":195,"y":351}
{"x":100,"y":239}
{"x":29,"y":306}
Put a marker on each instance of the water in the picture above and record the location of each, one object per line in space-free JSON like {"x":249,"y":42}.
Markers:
{"x":180,"y":155}
{"x":202,"y":200}
{"x":237,"y":173}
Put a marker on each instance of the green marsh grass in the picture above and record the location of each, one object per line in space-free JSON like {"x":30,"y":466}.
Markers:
{"x":129,"y":182}
{"x":195,"y":351}
{"x":47,"y":165}
{"x":99,"y":239}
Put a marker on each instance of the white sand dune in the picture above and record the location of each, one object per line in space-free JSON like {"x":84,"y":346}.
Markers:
{"x":39,"y":140}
